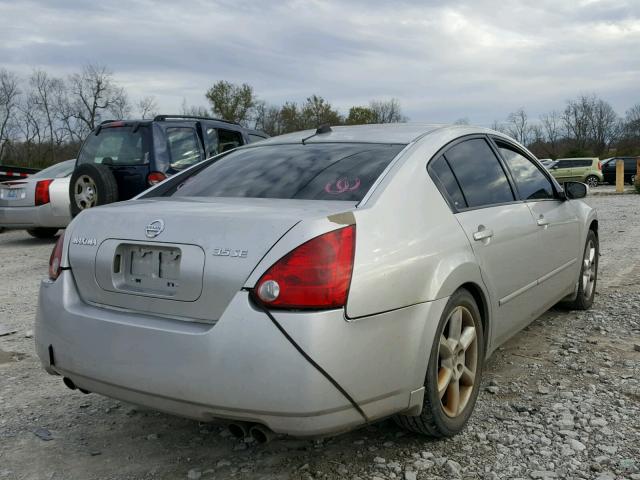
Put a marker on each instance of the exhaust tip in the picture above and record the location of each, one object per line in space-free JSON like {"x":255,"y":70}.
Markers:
{"x":261,"y":434}
{"x":69,"y":383}
{"x":238,"y":430}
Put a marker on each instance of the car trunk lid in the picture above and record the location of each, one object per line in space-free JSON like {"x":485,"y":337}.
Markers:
{"x":17,"y":193}
{"x":183,"y":258}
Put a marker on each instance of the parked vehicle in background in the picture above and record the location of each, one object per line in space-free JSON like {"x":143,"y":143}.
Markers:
{"x":630,"y":169}
{"x":587,"y":170}
{"x":285,"y":266}
{"x":548,"y":163}
{"x":121,"y":159}
{"x":38,"y":203}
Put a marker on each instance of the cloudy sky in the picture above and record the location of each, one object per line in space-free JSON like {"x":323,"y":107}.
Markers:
{"x":443,"y":60}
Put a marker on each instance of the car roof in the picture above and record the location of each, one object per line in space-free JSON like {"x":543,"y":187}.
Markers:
{"x":401,"y":133}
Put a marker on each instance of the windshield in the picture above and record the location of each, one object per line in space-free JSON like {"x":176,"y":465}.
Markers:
{"x":312,"y":171}
{"x":59,"y":170}
{"x":117,"y":146}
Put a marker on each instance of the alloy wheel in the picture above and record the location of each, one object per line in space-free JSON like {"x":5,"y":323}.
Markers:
{"x":589,"y":269}
{"x":85,"y":192}
{"x":592,"y":182}
{"x":457,"y":361}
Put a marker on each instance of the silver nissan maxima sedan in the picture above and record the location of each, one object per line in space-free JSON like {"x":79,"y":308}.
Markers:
{"x":318,"y":281}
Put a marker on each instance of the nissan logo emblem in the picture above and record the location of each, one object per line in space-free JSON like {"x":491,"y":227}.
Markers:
{"x":154,"y":229}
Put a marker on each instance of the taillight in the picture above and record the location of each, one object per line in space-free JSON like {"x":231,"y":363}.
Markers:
{"x":155,"y":177}
{"x":315,"y":275}
{"x":599,"y":165}
{"x":42,"y":192}
{"x":55,"y":261}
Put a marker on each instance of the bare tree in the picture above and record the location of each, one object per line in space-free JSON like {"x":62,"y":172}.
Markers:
{"x":267,"y":118}
{"x":518,"y":126}
{"x":194,"y":110}
{"x":387,"y":111}
{"x":552,"y":130}
{"x":498,"y":126}
{"x":94,"y":93}
{"x":605,"y":126}
{"x":9,"y":97}
{"x":632,"y":120}
{"x":576,"y":118}
{"x":147,"y":107}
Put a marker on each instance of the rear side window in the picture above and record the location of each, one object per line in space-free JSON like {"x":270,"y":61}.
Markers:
{"x":479,"y":173}
{"x":439,"y":168}
{"x":313,"y":172}
{"x":531,"y":182}
{"x":184,"y":147}
{"x":117,"y":146}
{"x":565,"y":164}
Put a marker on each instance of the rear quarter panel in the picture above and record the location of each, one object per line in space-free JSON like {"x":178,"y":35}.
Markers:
{"x":409,"y":246}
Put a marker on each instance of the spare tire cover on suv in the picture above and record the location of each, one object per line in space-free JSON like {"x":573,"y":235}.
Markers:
{"x":91,"y":185}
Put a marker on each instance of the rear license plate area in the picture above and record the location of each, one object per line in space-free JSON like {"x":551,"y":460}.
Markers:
{"x":151,"y":269}
{"x":12,"y":194}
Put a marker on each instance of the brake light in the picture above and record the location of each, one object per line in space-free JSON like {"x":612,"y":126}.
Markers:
{"x":155,"y":177}
{"x":315,"y":275}
{"x":599,"y":165}
{"x":42,"y":192}
{"x":55,"y":261}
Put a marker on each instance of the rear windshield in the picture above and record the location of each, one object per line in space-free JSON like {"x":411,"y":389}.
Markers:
{"x":59,"y":170}
{"x":117,"y":146}
{"x":311,"y":171}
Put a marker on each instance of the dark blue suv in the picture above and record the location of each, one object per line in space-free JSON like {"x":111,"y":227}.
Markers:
{"x":120,"y":159}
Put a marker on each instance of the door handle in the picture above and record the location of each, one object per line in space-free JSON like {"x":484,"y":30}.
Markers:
{"x":483,"y":233}
{"x":542,"y":222}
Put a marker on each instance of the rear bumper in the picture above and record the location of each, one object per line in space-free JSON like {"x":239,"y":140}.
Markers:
{"x":32,"y":217}
{"x":242,"y":367}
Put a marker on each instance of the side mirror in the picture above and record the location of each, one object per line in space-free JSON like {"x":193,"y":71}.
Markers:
{"x":574,"y":190}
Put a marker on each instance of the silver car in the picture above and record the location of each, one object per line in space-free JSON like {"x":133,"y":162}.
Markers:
{"x":318,"y":281}
{"x":39,"y":203}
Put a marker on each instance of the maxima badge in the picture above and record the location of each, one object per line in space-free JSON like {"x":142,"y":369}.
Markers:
{"x":154,"y":229}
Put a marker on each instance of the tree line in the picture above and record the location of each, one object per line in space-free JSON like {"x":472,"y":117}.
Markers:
{"x":44,"y":118}
{"x":587,"y":126}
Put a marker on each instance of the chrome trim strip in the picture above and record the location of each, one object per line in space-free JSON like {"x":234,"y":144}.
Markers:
{"x":529,"y":286}
{"x":520,"y":291}
{"x":556,"y":271}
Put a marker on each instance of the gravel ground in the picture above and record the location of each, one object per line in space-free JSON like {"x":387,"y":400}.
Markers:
{"x":560,"y":400}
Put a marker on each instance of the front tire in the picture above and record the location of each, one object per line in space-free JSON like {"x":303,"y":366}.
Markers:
{"x":454,"y":372}
{"x":588,"y":274}
{"x":43,"y":232}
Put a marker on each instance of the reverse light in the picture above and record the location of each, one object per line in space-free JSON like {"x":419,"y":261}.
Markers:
{"x":316,"y":275}
{"x":55,"y":261}
{"x":42,"y":192}
{"x":599,"y":165}
{"x":155,"y":177}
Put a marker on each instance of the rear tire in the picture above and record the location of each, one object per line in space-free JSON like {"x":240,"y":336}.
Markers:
{"x":592,"y":181}
{"x":91,"y":185}
{"x":43,"y":232}
{"x":588,"y":274}
{"x":454,"y":372}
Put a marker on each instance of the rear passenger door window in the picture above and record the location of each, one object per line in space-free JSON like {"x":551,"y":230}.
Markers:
{"x":531,"y":183}
{"x":479,"y":173}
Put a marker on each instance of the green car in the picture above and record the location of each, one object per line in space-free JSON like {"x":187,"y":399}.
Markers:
{"x":587,"y":170}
